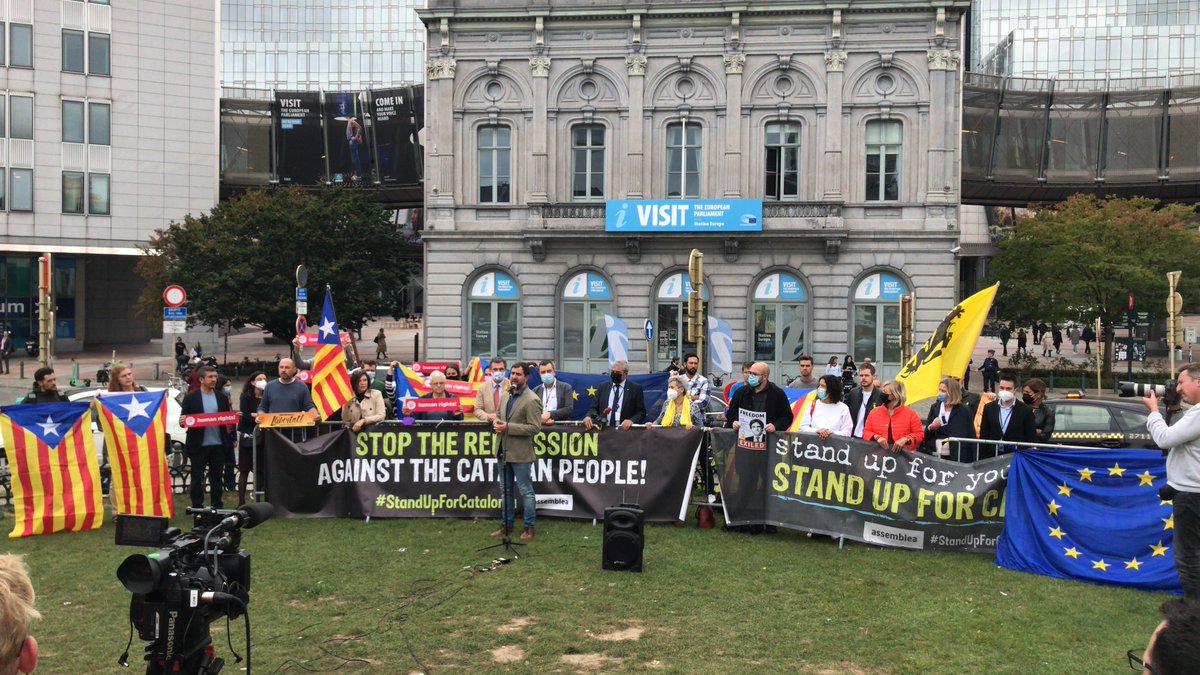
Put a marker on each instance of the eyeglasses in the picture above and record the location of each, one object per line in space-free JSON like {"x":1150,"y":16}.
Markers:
{"x":1136,"y":663}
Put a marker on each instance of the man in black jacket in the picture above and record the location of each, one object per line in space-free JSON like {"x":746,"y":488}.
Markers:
{"x":206,"y":446}
{"x":1007,"y":418}
{"x":619,"y":403}
{"x":763,"y":396}
{"x":864,"y":398}
{"x":45,"y":388}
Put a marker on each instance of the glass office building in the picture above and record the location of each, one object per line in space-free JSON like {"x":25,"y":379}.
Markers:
{"x":338,"y":45}
{"x":1085,"y":39}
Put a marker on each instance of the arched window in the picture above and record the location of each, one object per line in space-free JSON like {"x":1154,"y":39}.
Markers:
{"x":582,"y":339}
{"x":671,"y":318}
{"x":780,"y":312}
{"x":493,"y":316}
{"x":875,"y":321}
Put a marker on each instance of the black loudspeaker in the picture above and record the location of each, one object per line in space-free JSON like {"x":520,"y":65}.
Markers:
{"x":623,"y":538}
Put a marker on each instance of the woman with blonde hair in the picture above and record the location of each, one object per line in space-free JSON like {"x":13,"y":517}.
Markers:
{"x":121,"y":379}
{"x":679,"y":410}
{"x":949,"y":417}
{"x":894,"y":426}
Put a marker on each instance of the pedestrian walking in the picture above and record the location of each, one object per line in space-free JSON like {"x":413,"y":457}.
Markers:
{"x":1073,"y":336}
{"x":1005,"y":333}
{"x":381,"y":345}
{"x":990,"y":370}
{"x":1087,"y":335}
{"x":1057,"y":337}
{"x":1047,"y":343}
{"x":1022,"y":342}
{"x":6,"y":349}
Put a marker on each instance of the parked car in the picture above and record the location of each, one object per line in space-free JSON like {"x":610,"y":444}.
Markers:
{"x":1099,"y":423}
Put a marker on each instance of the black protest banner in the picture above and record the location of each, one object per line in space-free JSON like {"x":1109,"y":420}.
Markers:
{"x":850,"y":488}
{"x":393,"y":471}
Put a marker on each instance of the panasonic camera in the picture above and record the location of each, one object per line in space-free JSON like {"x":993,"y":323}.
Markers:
{"x":192,"y":579}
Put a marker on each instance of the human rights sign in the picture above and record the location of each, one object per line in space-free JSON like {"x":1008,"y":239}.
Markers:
{"x":395,"y":471}
{"x":848,"y":488}
{"x":682,"y":215}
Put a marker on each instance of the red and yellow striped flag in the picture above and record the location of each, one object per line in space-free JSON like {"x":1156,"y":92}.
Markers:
{"x":475,"y":371}
{"x":330,"y":379}
{"x":55,"y":474}
{"x":135,"y":431}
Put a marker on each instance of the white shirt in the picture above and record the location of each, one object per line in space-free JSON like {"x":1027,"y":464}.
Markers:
{"x":1183,"y":438}
{"x":550,"y":396}
{"x":862,"y":412}
{"x":832,"y":416}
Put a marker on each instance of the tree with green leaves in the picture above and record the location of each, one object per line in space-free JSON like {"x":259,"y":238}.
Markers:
{"x":1081,"y":258}
{"x":238,"y":261}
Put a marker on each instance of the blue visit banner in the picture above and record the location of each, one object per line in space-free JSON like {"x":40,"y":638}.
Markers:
{"x":683,"y":215}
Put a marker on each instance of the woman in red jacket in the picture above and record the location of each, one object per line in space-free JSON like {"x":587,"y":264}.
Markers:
{"x":894,"y":426}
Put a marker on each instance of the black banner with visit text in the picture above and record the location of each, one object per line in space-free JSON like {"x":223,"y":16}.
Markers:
{"x":393,"y":471}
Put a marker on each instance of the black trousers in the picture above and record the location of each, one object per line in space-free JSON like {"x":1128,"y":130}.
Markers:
{"x":1185,"y":507}
{"x":208,"y":459}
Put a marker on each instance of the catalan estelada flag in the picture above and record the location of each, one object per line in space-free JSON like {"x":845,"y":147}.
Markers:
{"x":949,"y":349}
{"x":135,"y":432}
{"x":55,"y":475}
{"x":411,"y":384}
{"x":330,"y":379}
{"x":801,"y":400}
{"x":475,"y":371}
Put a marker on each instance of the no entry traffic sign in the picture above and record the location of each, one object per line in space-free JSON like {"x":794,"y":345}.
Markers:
{"x":174,"y":296}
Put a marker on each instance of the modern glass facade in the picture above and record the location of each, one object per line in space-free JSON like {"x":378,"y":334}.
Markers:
{"x":321,"y":44}
{"x":1085,"y":39}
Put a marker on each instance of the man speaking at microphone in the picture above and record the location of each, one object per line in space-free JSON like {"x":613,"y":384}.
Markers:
{"x":1182,"y":441}
{"x":518,"y":418}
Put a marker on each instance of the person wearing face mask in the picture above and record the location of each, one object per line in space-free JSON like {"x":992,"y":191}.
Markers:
{"x":679,"y":410}
{"x":1008,"y":419}
{"x":453,"y":372}
{"x":619,"y":403}
{"x":949,"y":417}
{"x":558,"y":398}
{"x":1033,"y":394}
{"x":379,"y":384}
{"x":487,"y":397}
{"x":827,"y":415}
{"x":758,"y":395}
{"x":437,"y":390}
{"x":225,"y":386}
{"x":894,"y":426}
{"x":252,"y":393}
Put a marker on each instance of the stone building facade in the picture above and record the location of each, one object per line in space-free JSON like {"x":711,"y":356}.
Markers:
{"x":844,"y":122}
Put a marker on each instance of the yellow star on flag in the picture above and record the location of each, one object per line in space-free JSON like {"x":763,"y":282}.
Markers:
{"x":1064,"y":490}
{"x":1158,"y":549}
{"x":1134,"y":564}
{"x":1056,"y":532}
{"x":591,"y":391}
{"x":1116,"y":470}
{"x":1146,"y":478}
{"x":1054,"y":507}
{"x":1086,"y":474}
{"x":1100,"y":565}
{"x":1071,"y":552}
{"x":1168,"y":523}
{"x":574,"y":396}
{"x":1166,"y":502}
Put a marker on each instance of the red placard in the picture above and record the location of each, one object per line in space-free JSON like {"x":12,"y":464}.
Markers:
{"x":413,"y":405}
{"x":427,"y":367}
{"x":461,"y":388}
{"x":216,"y":419}
{"x":305,"y":376}
{"x":307,"y":339}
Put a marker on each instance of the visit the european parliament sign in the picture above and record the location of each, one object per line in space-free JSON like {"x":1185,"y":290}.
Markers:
{"x":683,"y":215}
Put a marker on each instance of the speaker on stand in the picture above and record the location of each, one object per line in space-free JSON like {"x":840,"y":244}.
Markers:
{"x":623,"y":538}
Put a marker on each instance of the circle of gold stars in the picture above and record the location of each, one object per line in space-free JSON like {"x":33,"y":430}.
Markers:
{"x":1085,"y":476}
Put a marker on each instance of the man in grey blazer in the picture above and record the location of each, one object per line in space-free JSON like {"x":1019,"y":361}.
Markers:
{"x":518,"y":419}
{"x":558,"y":398}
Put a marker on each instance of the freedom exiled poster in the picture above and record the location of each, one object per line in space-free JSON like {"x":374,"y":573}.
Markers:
{"x":848,"y":488}
{"x":396,"y":471}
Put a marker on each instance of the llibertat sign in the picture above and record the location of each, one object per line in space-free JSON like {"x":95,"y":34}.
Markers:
{"x":682,"y":215}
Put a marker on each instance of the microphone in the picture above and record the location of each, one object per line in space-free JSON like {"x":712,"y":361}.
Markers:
{"x":250,"y":515}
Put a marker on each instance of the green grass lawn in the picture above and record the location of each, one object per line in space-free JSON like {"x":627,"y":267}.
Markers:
{"x":400,"y":596}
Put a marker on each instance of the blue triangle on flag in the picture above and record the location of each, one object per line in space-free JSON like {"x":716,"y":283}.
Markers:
{"x":136,"y":410}
{"x":50,"y":422}
{"x":327,"y":330}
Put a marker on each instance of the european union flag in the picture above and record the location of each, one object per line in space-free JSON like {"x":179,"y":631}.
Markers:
{"x":1090,"y":515}
{"x":654,"y":390}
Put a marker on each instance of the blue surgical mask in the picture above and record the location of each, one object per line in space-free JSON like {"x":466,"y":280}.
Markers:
{"x":228,"y":390}
{"x":370,"y":375}
{"x":821,"y":394}
{"x":753,"y":381}
{"x":941,"y":398}
{"x":547,"y":379}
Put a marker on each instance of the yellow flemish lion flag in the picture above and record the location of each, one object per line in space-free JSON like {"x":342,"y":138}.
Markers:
{"x":55,"y":475}
{"x":949,"y":349}
{"x":331,"y":380}
{"x":135,"y":430}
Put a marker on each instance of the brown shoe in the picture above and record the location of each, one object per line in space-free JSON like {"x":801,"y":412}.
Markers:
{"x":527,"y":534}
{"x":503,"y":531}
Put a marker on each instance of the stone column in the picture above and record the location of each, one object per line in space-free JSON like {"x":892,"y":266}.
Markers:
{"x":539,"y":69}
{"x":833,"y":172}
{"x":735,"y":183}
{"x":635,"y":67}
{"x":943,"y":129}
